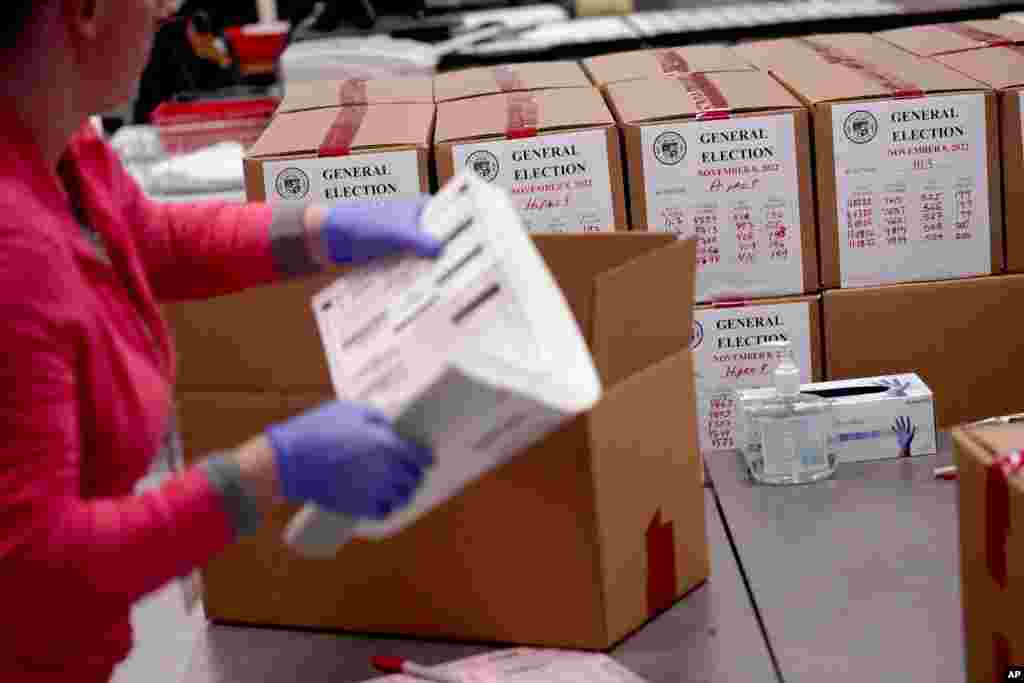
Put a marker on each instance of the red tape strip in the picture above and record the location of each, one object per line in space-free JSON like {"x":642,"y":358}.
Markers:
{"x":671,"y":62}
{"x":997,"y":512}
{"x":507,"y":78}
{"x":352,"y":91}
{"x":1001,"y":655}
{"x":892,"y":82}
{"x":661,"y":565}
{"x":338,"y":140}
{"x":978,"y":35}
{"x":522,"y":116}
{"x":710,"y":101}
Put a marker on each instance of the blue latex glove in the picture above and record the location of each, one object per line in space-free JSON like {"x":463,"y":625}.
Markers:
{"x":346,"y":458}
{"x":355,"y":232}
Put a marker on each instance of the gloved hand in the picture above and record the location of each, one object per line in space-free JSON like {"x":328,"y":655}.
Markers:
{"x":346,"y":458}
{"x":355,"y":232}
{"x":905,"y":431}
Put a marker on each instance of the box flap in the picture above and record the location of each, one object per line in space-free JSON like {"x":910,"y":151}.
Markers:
{"x":489,"y":115}
{"x":938,"y":39}
{"x":488,"y":80}
{"x":301,"y":95}
{"x":302,"y":132}
{"x":827,"y":68}
{"x":632,"y":329}
{"x":999,"y":67}
{"x":676,"y":97}
{"x":636,"y":64}
{"x":576,"y":261}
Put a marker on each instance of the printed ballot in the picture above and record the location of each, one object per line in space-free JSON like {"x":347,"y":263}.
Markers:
{"x":527,"y":665}
{"x":475,"y":354}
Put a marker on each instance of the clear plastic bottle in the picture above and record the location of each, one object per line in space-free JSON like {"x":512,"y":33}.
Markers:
{"x":786,"y":437}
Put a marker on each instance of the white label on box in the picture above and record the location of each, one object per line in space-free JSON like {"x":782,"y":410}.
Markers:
{"x":559,"y":182}
{"x":723,"y":343}
{"x":734,"y":184}
{"x":375,"y":176}
{"x":912,"y":189}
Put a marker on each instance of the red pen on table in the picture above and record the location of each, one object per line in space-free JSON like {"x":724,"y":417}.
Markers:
{"x":397,"y":665}
{"x":946,"y":472}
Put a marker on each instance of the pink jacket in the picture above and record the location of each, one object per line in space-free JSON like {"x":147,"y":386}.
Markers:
{"x":85,"y":396}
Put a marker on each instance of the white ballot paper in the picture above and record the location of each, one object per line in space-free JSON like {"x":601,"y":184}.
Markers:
{"x":475,"y":354}
{"x":525,"y":665}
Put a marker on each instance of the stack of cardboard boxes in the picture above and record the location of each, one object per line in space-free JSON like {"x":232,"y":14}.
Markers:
{"x":726,"y":157}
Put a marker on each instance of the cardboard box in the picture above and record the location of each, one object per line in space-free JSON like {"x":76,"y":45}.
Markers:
{"x":302,"y":95}
{"x":907,"y":159}
{"x":944,"y":39}
{"x":958,"y":336}
{"x":561,"y":524}
{"x":723,"y":343}
{"x":1002,"y":68}
{"x":342,"y":153}
{"x":726,"y":157}
{"x":642,"y":64}
{"x":555,"y":151}
{"x":876,"y":418}
{"x":991,"y":509}
{"x":506,"y":78}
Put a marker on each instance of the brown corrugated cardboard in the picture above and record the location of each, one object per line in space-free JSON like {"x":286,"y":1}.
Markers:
{"x":491,"y":80}
{"x":609,"y":558}
{"x":342,"y":153}
{"x":556,"y":152}
{"x":908,"y":173}
{"x":958,"y":336}
{"x":942,"y":39}
{"x":1002,"y":68}
{"x":301,"y":95}
{"x":726,"y":357}
{"x":727,"y":157}
{"x":991,"y":509}
{"x":653,"y":63}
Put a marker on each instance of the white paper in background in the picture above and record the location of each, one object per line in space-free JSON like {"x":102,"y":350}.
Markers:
{"x":475,"y":354}
{"x":733,"y":183}
{"x":912,"y":189}
{"x":723,"y":343}
{"x":523,"y":665}
{"x":559,"y":182}
{"x":376,"y":176}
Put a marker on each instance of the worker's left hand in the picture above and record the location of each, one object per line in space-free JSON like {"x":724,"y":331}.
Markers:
{"x":356,"y":232}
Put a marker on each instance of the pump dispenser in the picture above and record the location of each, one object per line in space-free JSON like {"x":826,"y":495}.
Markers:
{"x":786,"y":437}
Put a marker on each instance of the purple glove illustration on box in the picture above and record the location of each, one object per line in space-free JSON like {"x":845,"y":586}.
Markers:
{"x":905,"y":431}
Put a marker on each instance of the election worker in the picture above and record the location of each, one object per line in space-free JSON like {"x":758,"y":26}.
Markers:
{"x":88,"y":366}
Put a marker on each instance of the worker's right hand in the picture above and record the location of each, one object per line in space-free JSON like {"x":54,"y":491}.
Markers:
{"x":347,"y":458}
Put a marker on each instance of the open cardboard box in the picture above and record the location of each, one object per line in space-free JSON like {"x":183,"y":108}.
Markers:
{"x":574,"y":543}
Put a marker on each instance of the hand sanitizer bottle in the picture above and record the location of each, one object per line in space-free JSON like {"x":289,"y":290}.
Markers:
{"x":786,"y":437}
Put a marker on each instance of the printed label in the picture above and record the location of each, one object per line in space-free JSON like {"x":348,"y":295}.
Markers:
{"x":559,"y":183}
{"x":382,"y":175}
{"x":734,"y":185}
{"x":725,"y":354}
{"x":912,"y":189}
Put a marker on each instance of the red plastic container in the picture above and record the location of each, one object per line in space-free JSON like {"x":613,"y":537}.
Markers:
{"x":257,"y":44}
{"x":188,"y":126}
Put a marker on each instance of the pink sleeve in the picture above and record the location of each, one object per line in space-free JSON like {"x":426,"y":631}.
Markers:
{"x":207,"y":249}
{"x":61,"y":555}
